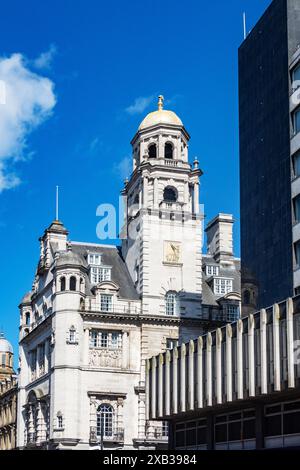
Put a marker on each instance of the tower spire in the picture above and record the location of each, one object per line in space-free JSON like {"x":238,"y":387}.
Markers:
{"x":160,"y":102}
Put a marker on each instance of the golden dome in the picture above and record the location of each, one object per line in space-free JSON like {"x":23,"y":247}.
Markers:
{"x":161,"y":116}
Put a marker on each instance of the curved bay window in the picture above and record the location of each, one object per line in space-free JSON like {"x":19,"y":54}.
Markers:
{"x":168,"y":150}
{"x":105,"y":420}
{"x":171,"y":303}
{"x":170,"y":194}
{"x":152,"y":152}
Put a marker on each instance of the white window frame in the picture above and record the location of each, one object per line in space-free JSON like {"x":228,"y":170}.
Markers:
{"x":94,"y":259}
{"x":171,"y":304}
{"x":106,"y":302}
{"x":99,"y":274}
{"x":105,"y":339}
{"x":212,"y":270}
{"x":222,"y":285}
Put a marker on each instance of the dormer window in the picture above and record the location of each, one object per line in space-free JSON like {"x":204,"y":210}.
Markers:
{"x":222,"y":286}
{"x":212,"y":270}
{"x":94,"y":259}
{"x":100,"y":274}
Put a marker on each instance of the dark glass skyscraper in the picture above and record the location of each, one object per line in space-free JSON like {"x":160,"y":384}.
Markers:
{"x":269,"y":61}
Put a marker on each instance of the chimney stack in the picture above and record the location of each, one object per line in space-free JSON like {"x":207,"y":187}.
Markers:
{"x":219,"y":233}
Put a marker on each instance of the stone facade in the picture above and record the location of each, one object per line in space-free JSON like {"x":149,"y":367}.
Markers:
{"x":96,"y":313}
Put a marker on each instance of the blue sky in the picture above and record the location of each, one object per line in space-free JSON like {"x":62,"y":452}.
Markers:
{"x":91,"y":68}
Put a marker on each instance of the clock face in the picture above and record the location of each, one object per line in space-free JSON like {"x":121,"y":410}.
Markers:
{"x":172,"y":252}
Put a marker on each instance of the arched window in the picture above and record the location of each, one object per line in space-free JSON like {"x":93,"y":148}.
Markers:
{"x":27,"y":318}
{"x":62,"y":283}
{"x":168,"y":150}
{"x":105,"y":418}
{"x":170,"y":194}
{"x":171,"y":303}
{"x":81,"y":285}
{"x":152,"y":151}
{"x":72,"y":283}
{"x":246,"y":299}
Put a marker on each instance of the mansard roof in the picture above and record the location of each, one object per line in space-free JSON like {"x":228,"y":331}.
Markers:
{"x":111,"y":256}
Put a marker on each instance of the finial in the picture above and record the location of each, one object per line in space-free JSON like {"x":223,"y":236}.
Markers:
{"x":196,"y":163}
{"x":160,"y":102}
{"x":126,"y":181}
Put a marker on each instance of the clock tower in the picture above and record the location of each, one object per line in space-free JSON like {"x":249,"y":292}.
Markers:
{"x":162,"y":236}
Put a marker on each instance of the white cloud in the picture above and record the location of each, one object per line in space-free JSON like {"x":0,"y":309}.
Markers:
{"x":29,"y":100}
{"x":124,"y":168}
{"x":139,"y":105}
{"x":44,"y":60}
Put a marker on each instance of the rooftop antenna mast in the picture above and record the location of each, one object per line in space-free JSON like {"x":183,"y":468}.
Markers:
{"x":245,"y":26}
{"x":56,"y":205}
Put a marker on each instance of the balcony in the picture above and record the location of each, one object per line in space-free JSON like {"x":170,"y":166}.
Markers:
{"x":116,"y":436}
{"x":172,"y":206}
{"x":91,"y":305}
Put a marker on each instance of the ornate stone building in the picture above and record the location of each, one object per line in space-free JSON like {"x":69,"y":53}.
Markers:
{"x":8,"y":396}
{"x":97,"y":312}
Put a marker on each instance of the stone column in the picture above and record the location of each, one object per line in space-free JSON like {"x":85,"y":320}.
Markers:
{"x":86,"y":346}
{"x":155,"y":193}
{"x":196,"y":198}
{"x":186,"y":194}
{"x":160,"y":147}
{"x":191,"y":399}
{"x":145,"y":192}
{"x":125,"y":351}
{"x":120,"y":418}
{"x":46,"y":358}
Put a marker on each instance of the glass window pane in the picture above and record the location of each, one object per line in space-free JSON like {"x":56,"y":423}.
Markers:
{"x":296,"y":160}
{"x":297,"y":121}
{"x":273,"y":425}
{"x":297,"y":208}
{"x":291,"y":423}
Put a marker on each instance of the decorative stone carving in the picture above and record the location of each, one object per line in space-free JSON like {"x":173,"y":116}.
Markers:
{"x":105,"y":358}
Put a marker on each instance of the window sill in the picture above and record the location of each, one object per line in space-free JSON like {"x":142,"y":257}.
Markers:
{"x":72,"y":342}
